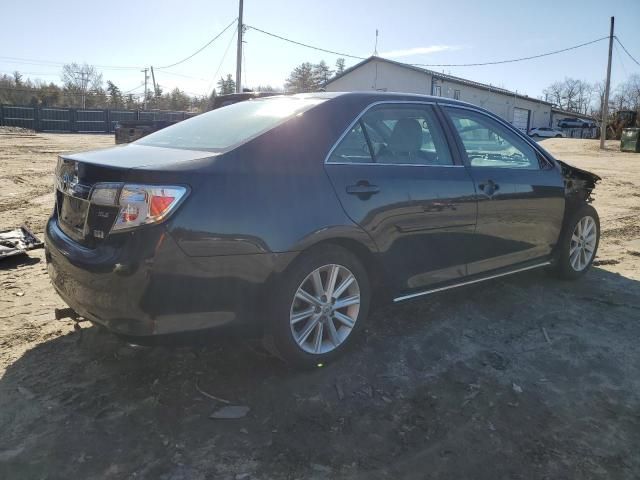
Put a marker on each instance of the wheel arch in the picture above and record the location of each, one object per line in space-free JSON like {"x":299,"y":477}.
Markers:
{"x":361,"y":251}
{"x":361,"y":248}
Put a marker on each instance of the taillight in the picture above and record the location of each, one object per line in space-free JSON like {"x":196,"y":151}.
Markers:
{"x":138,"y":204}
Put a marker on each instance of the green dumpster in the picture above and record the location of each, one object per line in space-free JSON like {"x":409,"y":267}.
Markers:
{"x":630,"y":140}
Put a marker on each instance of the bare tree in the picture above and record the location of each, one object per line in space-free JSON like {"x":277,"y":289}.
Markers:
{"x":627,"y":94}
{"x":554,"y":93}
{"x":570,"y":94}
{"x":584,"y":96}
{"x":81,"y":80}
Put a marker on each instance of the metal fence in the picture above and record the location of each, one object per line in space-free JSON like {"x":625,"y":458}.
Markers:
{"x":582,"y":132}
{"x":50,"y":119}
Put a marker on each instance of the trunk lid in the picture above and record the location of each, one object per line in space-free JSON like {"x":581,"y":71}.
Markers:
{"x":76,"y":175}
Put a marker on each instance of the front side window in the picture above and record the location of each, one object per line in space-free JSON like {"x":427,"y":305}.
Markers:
{"x":489,"y":144}
{"x":395,"y":135}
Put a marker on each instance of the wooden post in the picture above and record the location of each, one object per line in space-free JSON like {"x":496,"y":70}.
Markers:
{"x":605,"y":102}
{"x":239,"y":52}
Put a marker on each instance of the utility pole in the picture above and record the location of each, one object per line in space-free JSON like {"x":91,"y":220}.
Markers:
{"x":375,"y":48}
{"x":605,"y":101}
{"x":84,"y":83}
{"x":155,"y":86}
{"x":146,"y":78}
{"x":239,"y":52}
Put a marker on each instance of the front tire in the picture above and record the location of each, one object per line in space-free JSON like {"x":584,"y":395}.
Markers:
{"x":578,"y":244}
{"x":319,"y":307}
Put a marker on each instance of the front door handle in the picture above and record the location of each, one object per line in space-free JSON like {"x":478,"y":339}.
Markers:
{"x":489,"y":187}
{"x":363,"y":189}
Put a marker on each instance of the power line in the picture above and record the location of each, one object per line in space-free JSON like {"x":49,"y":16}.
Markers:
{"x":498,"y":62}
{"x":627,"y":51}
{"x":213,"y":78}
{"x":60,"y":91}
{"x":31,"y":61}
{"x":619,"y":56}
{"x":32,"y":73}
{"x":201,"y":48}
{"x":167,"y":72}
{"x":512,"y":60}
{"x":134,"y":88}
{"x":305,"y":44}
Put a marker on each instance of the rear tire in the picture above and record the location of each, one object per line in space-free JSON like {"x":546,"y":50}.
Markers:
{"x":578,"y":244}
{"x":558,"y":136}
{"x":308,"y":326}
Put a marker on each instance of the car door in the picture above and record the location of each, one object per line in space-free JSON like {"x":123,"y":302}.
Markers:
{"x":396,"y":177}
{"x":520,"y":193}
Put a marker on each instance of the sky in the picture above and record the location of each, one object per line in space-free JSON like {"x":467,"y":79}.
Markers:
{"x":40,"y":36}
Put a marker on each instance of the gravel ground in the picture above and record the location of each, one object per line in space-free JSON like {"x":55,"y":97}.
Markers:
{"x":524,"y":377}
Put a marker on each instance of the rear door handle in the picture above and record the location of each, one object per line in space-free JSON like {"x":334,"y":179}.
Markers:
{"x":363,"y":189}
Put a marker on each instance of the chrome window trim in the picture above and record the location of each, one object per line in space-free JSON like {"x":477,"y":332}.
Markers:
{"x":469,"y":282}
{"x":495,"y":117}
{"x":357,"y":119}
{"x":394,"y":164}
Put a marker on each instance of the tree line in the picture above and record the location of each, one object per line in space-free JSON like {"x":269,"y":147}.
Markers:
{"x":587,"y":98}
{"x":83,"y":85}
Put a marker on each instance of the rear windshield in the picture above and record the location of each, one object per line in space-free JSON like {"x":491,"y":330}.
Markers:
{"x":231,"y":125}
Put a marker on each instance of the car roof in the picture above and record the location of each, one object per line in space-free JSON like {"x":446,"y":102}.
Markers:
{"x":375,"y":97}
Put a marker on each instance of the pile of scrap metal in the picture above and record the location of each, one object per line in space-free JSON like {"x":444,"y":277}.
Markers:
{"x":17,"y":242}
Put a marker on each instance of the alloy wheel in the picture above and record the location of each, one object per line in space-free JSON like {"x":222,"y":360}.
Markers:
{"x":583,"y":243}
{"x":325,"y":309}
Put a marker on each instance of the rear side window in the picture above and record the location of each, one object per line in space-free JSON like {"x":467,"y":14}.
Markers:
{"x":395,"y":135}
{"x":229,"y":126}
{"x":353,"y":148}
{"x":490,"y":144}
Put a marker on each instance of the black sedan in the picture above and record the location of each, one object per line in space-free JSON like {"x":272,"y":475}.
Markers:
{"x":287,"y":215}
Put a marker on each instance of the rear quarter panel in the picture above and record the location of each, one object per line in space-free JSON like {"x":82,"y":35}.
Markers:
{"x":270,"y":194}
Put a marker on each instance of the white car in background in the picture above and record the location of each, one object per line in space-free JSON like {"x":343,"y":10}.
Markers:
{"x":546,"y":132}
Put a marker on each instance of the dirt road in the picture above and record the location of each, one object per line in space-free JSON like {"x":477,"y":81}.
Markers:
{"x":520,"y":378}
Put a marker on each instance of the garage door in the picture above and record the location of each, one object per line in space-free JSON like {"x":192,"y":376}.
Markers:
{"x":520,"y":118}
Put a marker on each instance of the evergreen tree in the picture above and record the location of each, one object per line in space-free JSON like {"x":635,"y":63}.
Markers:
{"x":321,"y":74}
{"x":226,"y":85}
{"x":302,"y":79}
{"x":115,"y":95}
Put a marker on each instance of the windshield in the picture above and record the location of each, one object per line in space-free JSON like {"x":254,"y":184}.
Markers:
{"x":229,"y":126}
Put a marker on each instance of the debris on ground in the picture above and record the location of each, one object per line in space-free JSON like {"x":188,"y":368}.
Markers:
{"x":18,"y":130}
{"x":26,"y":393}
{"x":208,"y":395}
{"x":516,"y":388}
{"x":339,"y":391}
{"x":17,"y":242}
{"x":230,"y":412}
{"x":321,"y":468}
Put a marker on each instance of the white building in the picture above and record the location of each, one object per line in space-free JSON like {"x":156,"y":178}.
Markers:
{"x":380,"y":74}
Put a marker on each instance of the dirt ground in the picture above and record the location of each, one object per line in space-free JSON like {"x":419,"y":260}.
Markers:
{"x":525,"y":377}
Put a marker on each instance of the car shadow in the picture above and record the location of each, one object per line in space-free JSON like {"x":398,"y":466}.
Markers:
{"x":89,"y":406}
{"x":17,"y":261}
